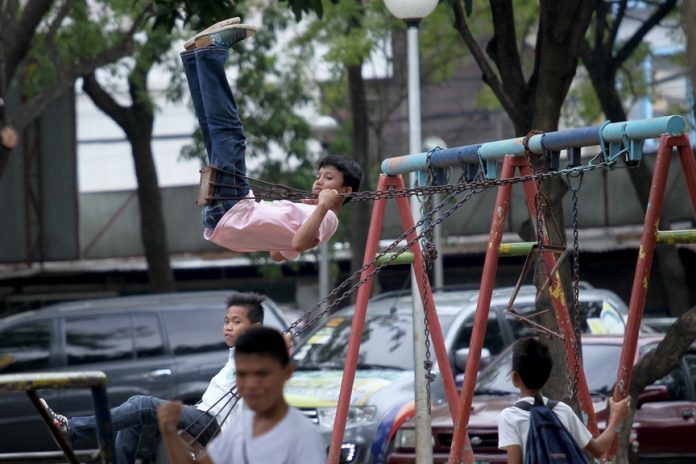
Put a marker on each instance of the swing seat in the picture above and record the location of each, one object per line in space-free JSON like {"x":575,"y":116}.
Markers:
{"x":193,"y":447}
{"x":205,"y":187}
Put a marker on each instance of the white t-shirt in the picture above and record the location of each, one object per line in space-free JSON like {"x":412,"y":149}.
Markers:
{"x":294,"y":440}
{"x":219,"y":387}
{"x":513,"y":425}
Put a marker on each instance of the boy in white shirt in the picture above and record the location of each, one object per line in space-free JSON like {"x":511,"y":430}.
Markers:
{"x":531,"y":367}
{"x":268,"y":430}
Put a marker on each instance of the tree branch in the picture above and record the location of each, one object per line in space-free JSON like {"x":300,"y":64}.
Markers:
{"x":489,"y":75}
{"x":503,"y":49}
{"x":103,"y":100}
{"x":617,"y":23}
{"x":654,"y":19}
{"x":32,"y":14}
{"x":34,"y":107}
{"x":663,"y":359}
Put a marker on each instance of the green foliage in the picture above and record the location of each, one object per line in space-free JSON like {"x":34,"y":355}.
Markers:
{"x":271,"y":84}
{"x":306,"y":7}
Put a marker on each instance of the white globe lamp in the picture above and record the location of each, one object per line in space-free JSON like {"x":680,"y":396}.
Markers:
{"x":410,"y":10}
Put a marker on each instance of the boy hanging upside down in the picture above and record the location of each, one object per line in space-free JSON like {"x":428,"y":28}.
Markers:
{"x":234,"y":219}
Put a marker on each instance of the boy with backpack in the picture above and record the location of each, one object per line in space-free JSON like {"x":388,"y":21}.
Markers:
{"x":538,"y":430}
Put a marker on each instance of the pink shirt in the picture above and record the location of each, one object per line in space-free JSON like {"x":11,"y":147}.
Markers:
{"x":267,"y":226}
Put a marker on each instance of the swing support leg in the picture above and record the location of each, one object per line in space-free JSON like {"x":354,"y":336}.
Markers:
{"x":647,"y":250}
{"x":358,"y":325}
{"x":459,"y":442}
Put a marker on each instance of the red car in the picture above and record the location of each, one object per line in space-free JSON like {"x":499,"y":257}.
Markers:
{"x":664,"y":427}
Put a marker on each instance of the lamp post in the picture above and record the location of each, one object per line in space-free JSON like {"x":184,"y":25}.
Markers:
{"x":412,"y":11}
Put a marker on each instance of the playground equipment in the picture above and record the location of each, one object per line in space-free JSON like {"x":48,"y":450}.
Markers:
{"x":96,"y":381}
{"x":616,"y":140}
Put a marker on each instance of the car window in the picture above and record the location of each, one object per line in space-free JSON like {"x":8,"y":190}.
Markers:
{"x":98,"y":339}
{"x":597,"y":317}
{"x":147,"y":336}
{"x":675,"y":381}
{"x":25,"y":347}
{"x":195,"y":331}
{"x":493,"y":340}
{"x":386,"y":343}
{"x":691,"y":364}
{"x":600,"y":363}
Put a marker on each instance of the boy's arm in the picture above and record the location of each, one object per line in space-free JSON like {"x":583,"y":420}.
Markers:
{"x":306,"y":236}
{"x":277,"y":256}
{"x":514,"y":454}
{"x":618,"y":411}
{"x":168,"y":417}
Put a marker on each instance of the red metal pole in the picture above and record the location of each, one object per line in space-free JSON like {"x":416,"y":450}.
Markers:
{"x":358,"y":326}
{"x":460,"y":442}
{"x":644,"y":264}
{"x":438,"y":340}
{"x":686,"y":155}
{"x":560,"y":307}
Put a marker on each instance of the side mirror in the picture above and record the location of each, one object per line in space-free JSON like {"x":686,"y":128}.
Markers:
{"x":462,"y":354}
{"x":652,"y":394}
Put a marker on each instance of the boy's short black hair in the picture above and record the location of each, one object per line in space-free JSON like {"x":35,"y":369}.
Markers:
{"x":251,"y":300}
{"x":263,"y":341}
{"x":532,"y":361}
{"x":352,"y":172}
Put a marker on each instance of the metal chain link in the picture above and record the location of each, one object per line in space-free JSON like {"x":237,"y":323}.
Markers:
{"x":345,"y":285}
{"x":573,"y":388}
{"x":471,"y":187}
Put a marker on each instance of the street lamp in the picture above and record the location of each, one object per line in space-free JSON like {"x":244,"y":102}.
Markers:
{"x":412,"y":11}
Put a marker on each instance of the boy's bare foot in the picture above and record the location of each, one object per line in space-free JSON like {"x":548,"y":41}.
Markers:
{"x":191,"y":43}
{"x":226,"y":36}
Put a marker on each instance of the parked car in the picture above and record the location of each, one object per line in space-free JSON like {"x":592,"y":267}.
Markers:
{"x":168,"y":346}
{"x":664,"y":426}
{"x":383,"y":388}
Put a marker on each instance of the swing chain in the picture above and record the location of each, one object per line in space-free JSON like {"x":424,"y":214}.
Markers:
{"x":429,"y":253}
{"x":471,"y":188}
{"x":574,"y":189}
{"x":335,"y":296}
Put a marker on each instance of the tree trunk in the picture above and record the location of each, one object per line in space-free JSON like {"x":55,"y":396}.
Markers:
{"x":670,"y":270}
{"x":137,"y":122}
{"x":153,"y":230}
{"x":360,"y":211}
{"x":657,"y":364}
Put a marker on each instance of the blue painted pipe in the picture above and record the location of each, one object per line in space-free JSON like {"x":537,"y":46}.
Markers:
{"x":640,"y":129}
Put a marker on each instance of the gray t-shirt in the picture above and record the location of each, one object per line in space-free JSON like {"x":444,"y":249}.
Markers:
{"x":294,"y":440}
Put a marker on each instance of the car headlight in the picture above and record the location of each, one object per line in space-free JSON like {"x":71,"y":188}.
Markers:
{"x":405,"y":438}
{"x":356,"y":415}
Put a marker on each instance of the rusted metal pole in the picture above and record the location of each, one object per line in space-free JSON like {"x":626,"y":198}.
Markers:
{"x":644,"y":264}
{"x":358,"y":325}
{"x":460,"y":442}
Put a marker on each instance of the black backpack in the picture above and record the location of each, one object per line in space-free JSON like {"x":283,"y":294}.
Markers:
{"x":548,"y":442}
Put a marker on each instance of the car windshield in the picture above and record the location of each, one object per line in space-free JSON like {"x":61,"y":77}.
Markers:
{"x":599,"y":361}
{"x":387,"y":343}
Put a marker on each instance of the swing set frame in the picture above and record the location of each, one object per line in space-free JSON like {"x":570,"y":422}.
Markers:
{"x":616,"y":140}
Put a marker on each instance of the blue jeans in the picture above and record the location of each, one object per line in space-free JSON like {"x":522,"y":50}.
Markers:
{"x":129,"y":419}
{"x":221,"y":127}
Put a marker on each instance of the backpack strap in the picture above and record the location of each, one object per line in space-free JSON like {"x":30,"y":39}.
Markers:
{"x":525,"y":406}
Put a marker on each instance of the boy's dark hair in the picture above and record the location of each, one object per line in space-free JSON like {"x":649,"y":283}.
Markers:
{"x":532,"y":361}
{"x":251,"y":300}
{"x":263,"y":341}
{"x":352,"y":172}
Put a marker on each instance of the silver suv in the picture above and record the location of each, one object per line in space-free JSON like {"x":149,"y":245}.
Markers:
{"x":168,"y":346}
{"x":383,"y":389}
